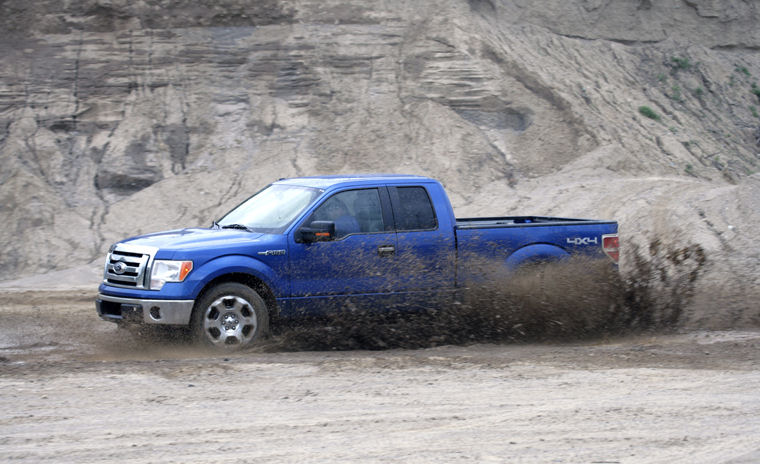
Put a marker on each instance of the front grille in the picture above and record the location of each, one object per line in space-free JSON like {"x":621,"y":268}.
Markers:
{"x":129,"y":266}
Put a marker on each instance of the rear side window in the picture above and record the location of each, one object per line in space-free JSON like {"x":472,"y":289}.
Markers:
{"x":416,"y":209}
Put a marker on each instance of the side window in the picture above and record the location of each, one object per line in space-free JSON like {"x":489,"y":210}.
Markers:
{"x":352,"y":211}
{"x":416,"y":209}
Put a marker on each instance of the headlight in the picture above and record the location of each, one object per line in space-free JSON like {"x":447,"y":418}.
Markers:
{"x":168,"y":271}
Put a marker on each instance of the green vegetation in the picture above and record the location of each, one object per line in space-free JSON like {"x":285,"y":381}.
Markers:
{"x":690,"y":170}
{"x":675,"y":93}
{"x":699,"y":91}
{"x":743,"y":70}
{"x":681,"y":63}
{"x":662,"y":77}
{"x":754,"y":111}
{"x":649,"y":113}
{"x":756,"y":89}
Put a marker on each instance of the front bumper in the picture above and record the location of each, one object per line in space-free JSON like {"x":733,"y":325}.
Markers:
{"x":139,"y":311}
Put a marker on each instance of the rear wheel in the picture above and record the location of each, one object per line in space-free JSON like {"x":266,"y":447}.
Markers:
{"x":231,"y":316}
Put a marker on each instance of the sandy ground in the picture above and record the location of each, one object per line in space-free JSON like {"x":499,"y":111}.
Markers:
{"x":76,"y":389}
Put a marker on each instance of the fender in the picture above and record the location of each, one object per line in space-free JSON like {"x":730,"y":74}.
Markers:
{"x":534,"y":253}
{"x":234,"y":264}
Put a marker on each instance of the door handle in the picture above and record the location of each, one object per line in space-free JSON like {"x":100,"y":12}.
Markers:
{"x":386,"y":250}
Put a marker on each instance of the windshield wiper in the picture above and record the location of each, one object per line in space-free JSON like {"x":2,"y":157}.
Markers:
{"x":236,"y":226}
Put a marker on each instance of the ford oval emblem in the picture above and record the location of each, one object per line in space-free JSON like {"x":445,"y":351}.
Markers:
{"x":119,"y":268}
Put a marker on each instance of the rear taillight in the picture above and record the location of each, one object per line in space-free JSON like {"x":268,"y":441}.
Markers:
{"x":611,"y":246}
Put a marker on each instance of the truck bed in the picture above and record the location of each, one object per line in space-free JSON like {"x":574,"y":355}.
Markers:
{"x":521,"y":221}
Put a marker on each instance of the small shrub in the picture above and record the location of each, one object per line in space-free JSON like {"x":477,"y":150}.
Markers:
{"x":662,"y":77}
{"x":689,"y":169}
{"x":754,"y":111}
{"x":756,"y":90}
{"x":649,"y":113}
{"x":675,"y":93}
{"x":681,"y":63}
{"x":743,"y":70}
{"x":699,"y":91}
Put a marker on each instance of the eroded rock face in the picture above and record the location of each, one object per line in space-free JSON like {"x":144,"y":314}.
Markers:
{"x":709,"y":23}
{"x":118,"y":117}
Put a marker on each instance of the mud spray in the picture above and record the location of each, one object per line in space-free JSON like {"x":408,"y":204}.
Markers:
{"x":658,"y":289}
{"x":577,"y":298}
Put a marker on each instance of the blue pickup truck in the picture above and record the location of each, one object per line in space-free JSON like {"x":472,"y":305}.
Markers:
{"x":318,"y":244}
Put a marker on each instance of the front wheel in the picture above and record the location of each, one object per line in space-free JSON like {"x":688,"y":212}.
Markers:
{"x":231,"y":316}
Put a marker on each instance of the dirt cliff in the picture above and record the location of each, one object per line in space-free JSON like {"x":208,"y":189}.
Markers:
{"x":118,"y":117}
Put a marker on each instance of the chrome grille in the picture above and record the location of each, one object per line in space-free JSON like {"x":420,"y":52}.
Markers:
{"x":129,"y":266}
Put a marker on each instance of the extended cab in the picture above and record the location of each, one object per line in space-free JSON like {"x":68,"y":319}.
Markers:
{"x":318,"y":244}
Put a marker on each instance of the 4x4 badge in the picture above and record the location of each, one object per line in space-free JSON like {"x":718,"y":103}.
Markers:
{"x":583,"y":241}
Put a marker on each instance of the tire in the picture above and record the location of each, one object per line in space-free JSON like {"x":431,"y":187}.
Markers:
{"x":230,"y":317}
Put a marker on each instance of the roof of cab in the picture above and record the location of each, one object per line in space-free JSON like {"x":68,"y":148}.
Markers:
{"x":323,"y":182}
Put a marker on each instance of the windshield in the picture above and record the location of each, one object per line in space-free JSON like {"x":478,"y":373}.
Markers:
{"x":272,"y":209}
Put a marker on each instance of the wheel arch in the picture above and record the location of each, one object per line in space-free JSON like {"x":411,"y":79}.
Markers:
{"x":249,"y":280}
{"x":535,"y":253}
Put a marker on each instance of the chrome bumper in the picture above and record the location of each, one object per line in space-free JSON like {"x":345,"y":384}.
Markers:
{"x":132,"y":310}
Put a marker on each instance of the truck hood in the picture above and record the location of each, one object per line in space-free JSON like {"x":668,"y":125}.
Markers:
{"x":187,"y":240}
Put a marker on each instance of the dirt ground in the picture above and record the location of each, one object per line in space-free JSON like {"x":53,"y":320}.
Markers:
{"x":77,"y":389}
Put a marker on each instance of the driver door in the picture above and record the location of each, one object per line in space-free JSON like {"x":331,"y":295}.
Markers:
{"x":356,"y":268}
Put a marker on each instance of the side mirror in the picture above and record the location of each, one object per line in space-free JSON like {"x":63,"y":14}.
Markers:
{"x":317,"y":231}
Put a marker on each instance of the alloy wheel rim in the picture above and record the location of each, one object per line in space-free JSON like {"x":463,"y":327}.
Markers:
{"x":230,"y":320}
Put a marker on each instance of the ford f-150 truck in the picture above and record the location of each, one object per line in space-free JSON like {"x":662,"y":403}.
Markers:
{"x":318,"y":244}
